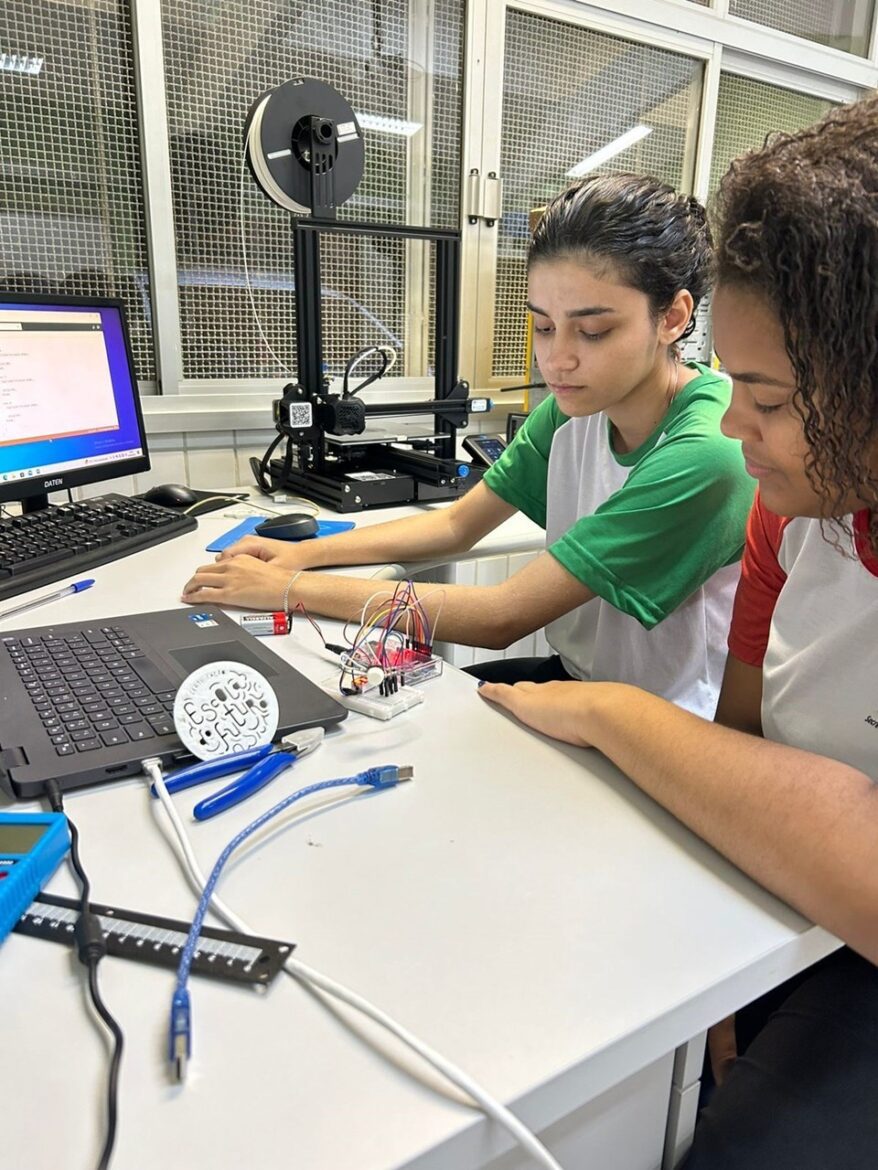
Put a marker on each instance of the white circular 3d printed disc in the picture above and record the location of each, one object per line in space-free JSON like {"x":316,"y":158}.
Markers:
{"x":225,"y":707}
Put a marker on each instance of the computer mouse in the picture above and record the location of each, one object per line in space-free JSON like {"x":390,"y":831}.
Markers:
{"x":292,"y":526}
{"x":171,"y":495}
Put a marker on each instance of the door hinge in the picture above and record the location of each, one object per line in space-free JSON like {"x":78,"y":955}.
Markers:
{"x":484,"y":197}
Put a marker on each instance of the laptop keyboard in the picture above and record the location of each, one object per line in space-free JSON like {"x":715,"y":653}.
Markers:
{"x":93,"y":689}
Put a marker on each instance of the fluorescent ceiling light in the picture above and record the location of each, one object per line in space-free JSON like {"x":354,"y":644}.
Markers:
{"x":606,"y":152}
{"x":388,"y":125}
{"x":20,"y":63}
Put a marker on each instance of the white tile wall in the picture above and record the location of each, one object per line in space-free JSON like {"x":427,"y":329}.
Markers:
{"x":210,"y":459}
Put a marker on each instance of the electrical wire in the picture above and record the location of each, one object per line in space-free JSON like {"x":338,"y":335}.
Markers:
{"x":493,"y":1108}
{"x":115,"y":1063}
{"x":91,"y":949}
{"x":260,"y":467}
{"x":404,"y":625}
{"x":247,"y":268}
{"x":375,"y":779}
{"x":388,"y":360}
{"x":255,"y":507}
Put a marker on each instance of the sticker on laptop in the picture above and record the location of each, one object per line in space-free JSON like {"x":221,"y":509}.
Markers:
{"x":203,"y":620}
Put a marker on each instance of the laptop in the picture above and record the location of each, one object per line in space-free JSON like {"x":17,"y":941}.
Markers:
{"x":85,"y":702}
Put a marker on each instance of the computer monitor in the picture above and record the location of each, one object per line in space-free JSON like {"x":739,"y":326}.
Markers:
{"x":69,"y":405}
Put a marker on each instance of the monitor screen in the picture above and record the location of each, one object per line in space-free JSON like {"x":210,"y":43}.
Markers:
{"x":69,"y":405}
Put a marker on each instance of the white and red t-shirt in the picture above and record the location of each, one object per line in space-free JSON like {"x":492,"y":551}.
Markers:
{"x":806,"y":612}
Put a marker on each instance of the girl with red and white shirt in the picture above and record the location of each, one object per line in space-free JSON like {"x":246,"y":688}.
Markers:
{"x":786,"y":788}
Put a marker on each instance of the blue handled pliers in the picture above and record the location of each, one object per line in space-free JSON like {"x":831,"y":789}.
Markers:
{"x":259,"y":765}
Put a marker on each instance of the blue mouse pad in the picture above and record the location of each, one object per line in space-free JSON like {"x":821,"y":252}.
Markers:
{"x":248,"y":526}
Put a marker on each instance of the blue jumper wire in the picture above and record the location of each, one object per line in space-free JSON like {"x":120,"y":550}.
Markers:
{"x":180,"y":1038}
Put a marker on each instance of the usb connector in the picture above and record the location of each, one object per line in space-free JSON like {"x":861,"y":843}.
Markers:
{"x":387,"y":776}
{"x":180,"y":1038}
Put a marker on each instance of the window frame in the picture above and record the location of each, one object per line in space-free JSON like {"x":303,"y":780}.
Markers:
{"x":722,"y":42}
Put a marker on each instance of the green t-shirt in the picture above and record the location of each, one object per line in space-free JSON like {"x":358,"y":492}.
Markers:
{"x":652,"y":524}
{"x":649,"y":532}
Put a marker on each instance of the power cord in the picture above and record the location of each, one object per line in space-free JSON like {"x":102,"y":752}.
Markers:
{"x":235,"y":500}
{"x":308,"y":975}
{"x":91,"y":948}
{"x":261,"y":467}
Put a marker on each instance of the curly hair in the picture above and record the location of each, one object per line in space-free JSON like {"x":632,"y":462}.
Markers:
{"x":654,"y":239}
{"x":798,"y":223}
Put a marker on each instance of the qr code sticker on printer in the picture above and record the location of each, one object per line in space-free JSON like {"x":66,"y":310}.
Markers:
{"x":299,"y":414}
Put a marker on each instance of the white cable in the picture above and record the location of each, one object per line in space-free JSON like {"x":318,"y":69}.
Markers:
{"x":250,"y":504}
{"x":247,"y":269}
{"x":388,"y":351}
{"x":422,"y":597}
{"x":489,"y":1105}
{"x":391,"y":355}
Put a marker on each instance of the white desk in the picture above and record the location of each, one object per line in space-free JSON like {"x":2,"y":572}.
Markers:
{"x":520,"y":906}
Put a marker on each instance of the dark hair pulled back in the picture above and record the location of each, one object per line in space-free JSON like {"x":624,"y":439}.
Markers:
{"x":799,"y":225}
{"x":653,"y":238}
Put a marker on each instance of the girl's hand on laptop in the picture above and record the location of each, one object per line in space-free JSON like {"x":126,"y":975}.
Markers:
{"x":555,"y":708}
{"x":245,"y":581}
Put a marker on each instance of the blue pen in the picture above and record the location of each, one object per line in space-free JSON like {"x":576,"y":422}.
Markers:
{"x":76,"y":587}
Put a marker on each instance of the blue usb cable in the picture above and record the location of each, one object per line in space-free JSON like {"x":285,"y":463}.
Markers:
{"x":180,"y":1038}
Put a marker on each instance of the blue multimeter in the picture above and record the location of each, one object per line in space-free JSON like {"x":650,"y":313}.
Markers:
{"x":31,"y":848}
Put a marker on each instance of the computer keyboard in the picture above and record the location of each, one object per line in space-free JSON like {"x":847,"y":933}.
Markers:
{"x":66,"y":539}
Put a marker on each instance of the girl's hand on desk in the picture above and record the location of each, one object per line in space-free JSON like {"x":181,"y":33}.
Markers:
{"x":262,"y":549}
{"x":241,"y":580}
{"x":554,"y":708}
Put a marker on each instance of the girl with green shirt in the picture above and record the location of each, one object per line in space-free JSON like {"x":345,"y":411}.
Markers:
{"x":643,"y":500}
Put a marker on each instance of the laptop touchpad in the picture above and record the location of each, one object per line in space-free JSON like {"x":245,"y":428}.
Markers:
{"x":191,"y":657}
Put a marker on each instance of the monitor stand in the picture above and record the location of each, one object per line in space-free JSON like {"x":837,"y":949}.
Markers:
{"x":34,"y":503}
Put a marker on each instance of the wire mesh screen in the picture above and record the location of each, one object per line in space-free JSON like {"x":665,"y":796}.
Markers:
{"x":569,"y":92}
{"x":218,"y":60}
{"x":71,"y":195}
{"x":749,"y":110}
{"x":698,"y":346}
{"x":843,"y":26}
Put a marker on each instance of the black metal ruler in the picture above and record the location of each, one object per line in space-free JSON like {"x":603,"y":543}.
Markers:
{"x":145,"y":938}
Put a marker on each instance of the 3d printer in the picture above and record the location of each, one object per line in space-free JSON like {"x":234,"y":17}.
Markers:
{"x":305,"y":149}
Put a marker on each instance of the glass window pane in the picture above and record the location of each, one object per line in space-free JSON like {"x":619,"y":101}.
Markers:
{"x":575,"y":100}
{"x":843,"y":25}
{"x":71,"y":192}
{"x":749,"y":110}
{"x":400,"y":63}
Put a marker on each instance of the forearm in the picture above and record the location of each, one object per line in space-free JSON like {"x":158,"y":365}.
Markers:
{"x":431,"y":535}
{"x":484,"y":615}
{"x":471,"y":615}
{"x":492,"y":616}
{"x":414,"y":538}
{"x":804,"y":826}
